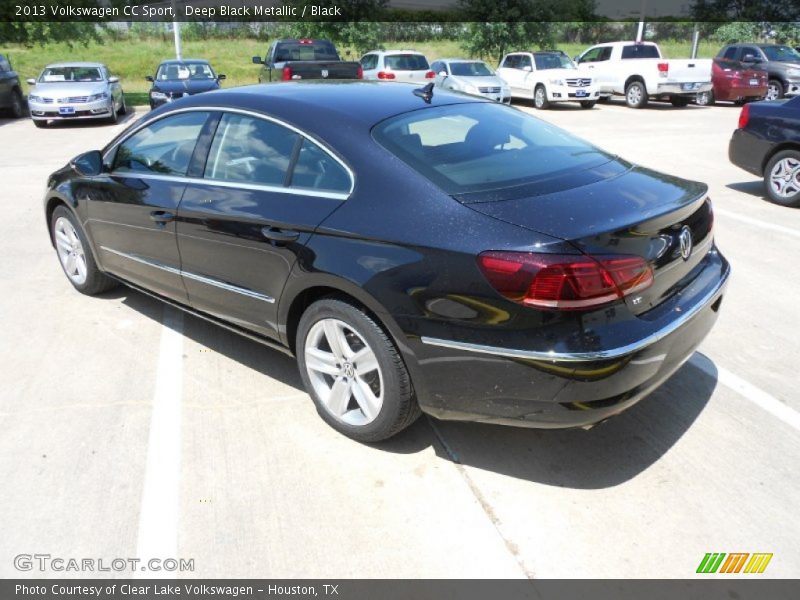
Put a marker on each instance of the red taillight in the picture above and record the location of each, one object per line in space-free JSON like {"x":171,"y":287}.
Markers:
{"x":306,"y":41}
{"x":663,"y":69}
{"x":430,"y":75}
{"x":744,"y":116}
{"x":385,"y":75}
{"x":564,"y":282}
{"x":360,"y":72}
{"x":286,"y":75}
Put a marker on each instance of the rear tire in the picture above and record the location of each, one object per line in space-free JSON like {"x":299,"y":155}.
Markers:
{"x":782,"y":178}
{"x":17,"y":104}
{"x":540,"y":98}
{"x":368,"y":399}
{"x":588,"y":103}
{"x":75,"y":254}
{"x":636,"y":95}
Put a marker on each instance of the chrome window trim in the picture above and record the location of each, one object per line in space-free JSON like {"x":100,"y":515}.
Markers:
{"x":587,"y":356}
{"x":220,"y":109}
{"x":207,"y":280}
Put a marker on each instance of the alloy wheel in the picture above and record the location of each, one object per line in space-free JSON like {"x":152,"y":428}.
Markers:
{"x":344,"y":372}
{"x":70,"y":251}
{"x":784,"y":178}
{"x":773,"y":93}
{"x":634,"y":95}
{"x":538,"y":97}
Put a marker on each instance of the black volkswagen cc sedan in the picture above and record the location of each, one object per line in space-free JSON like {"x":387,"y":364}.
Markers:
{"x":414,"y":250}
{"x":178,"y":78}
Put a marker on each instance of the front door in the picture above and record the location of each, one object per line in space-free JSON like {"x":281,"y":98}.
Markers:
{"x":133,"y":207}
{"x":264,"y":191}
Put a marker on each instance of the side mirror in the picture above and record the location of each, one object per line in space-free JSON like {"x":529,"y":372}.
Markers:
{"x":442,"y":73}
{"x":528,"y":68}
{"x":257,"y":60}
{"x":30,"y":81}
{"x":113,"y":80}
{"x":577,"y":58}
{"x":88,"y":164}
{"x":221,"y":77}
{"x":749,"y":58}
{"x":149,"y":78}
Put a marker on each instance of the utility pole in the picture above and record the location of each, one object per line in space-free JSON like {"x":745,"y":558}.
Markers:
{"x":176,"y":30}
{"x":695,"y":40}
{"x":640,"y":32}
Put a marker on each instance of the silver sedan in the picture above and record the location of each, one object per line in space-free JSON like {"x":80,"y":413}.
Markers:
{"x":68,"y":91}
{"x":469,"y":76}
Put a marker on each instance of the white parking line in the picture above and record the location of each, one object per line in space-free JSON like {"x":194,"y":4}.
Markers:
{"x":747,"y":390}
{"x":158,"y":519}
{"x":756,"y":222}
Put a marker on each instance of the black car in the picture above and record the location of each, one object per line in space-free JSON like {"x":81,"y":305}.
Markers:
{"x":767,"y":144}
{"x":416,"y":249}
{"x":11,"y":98}
{"x":178,"y":78}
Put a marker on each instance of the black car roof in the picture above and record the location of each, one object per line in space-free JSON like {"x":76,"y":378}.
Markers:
{"x":326,"y":105}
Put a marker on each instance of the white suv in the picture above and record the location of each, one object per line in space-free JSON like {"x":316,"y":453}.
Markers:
{"x":397,"y":65}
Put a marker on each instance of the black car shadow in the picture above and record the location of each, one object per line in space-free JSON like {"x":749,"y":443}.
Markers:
{"x":604,"y":456}
{"x":754,"y":188}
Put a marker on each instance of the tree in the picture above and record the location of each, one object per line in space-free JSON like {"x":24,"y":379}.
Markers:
{"x":745,"y":10}
{"x":357,"y":27}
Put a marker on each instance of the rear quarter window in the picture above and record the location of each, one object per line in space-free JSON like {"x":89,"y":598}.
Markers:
{"x":639,"y":51}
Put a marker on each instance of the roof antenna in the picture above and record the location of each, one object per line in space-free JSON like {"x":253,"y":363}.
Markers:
{"x":426,"y":92}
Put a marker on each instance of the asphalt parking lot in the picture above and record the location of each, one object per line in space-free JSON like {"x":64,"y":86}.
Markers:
{"x":130,"y":430}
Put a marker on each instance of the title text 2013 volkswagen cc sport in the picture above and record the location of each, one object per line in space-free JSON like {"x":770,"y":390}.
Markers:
{"x":415,"y":249}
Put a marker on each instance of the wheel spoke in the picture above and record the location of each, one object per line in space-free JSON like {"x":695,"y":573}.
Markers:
{"x":339,"y":397}
{"x":336,"y":339}
{"x":365,"y":361}
{"x":321,"y":361}
{"x":62,"y":240}
{"x":366,"y":399}
{"x":80,"y":263}
{"x":69,"y":264}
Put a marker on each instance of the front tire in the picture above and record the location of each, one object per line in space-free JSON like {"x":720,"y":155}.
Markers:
{"x":588,"y":103}
{"x":705,"y":98}
{"x":40,"y":124}
{"x":353,"y":372}
{"x":636,"y":95}
{"x":123,"y":108}
{"x":782,"y":178}
{"x":17,"y":104}
{"x":114,"y":118}
{"x":540,"y":98}
{"x":75,"y":255}
{"x":775,"y":90}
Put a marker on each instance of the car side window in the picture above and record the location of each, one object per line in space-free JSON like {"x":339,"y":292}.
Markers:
{"x":751,"y":51}
{"x":731,"y":53}
{"x":524,"y":61}
{"x":596,"y":54}
{"x":4,"y":66}
{"x":369,"y":61}
{"x":511,"y":61}
{"x":163,"y":148}
{"x":250,"y":150}
{"x":315,"y":169}
{"x":605,"y":54}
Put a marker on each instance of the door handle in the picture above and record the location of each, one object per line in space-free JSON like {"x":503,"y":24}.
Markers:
{"x":162,"y":216}
{"x":279,"y":235}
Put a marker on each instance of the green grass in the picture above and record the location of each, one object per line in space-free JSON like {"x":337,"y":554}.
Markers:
{"x":132,"y":60}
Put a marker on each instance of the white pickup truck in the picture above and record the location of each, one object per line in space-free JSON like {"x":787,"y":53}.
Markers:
{"x":640,"y":72}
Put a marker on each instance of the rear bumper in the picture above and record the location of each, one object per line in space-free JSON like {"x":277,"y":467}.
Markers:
{"x":744,"y":91}
{"x":682,"y":89}
{"x":748,"y":151}
{"x":557,"y":389}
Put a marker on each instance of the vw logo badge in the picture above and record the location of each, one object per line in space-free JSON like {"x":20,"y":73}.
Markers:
{"x":324,"y":73}
{"x":685,"y":239}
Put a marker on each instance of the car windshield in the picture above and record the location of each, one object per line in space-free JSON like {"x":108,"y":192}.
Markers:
{"x":470,"y":69}
{"x":406,"y":62}
{"x":181,"y":71}
{"x":465,"y":148}
{"x":60,"y":74}
{"x":781,"y":53}
{"x":552,"y":61}
{"x":305,"y":50}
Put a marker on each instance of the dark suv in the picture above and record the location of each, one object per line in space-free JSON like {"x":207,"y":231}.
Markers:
{"x":10,"y":90}
{"x":782,"y":64}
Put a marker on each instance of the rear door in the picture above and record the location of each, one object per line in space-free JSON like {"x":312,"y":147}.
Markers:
{"x":133,"y":207}
{"x":264,"y":190}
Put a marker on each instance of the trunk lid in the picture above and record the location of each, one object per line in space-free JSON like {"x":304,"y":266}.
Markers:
{"x":636,"y":212}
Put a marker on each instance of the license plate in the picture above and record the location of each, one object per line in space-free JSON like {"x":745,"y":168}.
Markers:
{"x":754,"y":82}
{"x":580,"y":93}
{"x":66,"y":110}
{"x":688,"y":86}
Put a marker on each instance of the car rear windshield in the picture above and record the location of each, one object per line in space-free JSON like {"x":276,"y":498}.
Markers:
{"x":406,"y":62}
{"x":478,"y":147}
{"x":640,"y":51}
{"x":781,"y":53}
{"x":58,"y":74}
{"x":308,"y":50}
{"x":470,"y":69}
